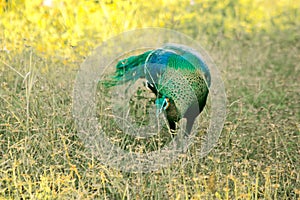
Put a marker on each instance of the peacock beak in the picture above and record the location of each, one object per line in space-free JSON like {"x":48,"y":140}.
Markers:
{"x":159,"y":107}
{"x":161,"y":104}
{"x":158,"y":110}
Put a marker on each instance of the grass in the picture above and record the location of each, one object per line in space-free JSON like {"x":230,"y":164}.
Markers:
{"x":257,"y":156}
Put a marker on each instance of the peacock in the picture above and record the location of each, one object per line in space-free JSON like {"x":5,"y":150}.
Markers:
{"x":176,"y":74}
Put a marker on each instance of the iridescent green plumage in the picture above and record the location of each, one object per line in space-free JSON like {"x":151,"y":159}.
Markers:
{"x":176,"y":74}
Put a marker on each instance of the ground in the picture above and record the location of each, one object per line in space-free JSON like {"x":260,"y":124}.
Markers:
{"x":258,"y":153}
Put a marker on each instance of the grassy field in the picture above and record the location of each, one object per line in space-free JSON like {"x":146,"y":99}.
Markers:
{"x":258,"y":153}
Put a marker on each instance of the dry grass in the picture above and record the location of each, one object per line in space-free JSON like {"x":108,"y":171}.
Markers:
{"x":257,"y":156}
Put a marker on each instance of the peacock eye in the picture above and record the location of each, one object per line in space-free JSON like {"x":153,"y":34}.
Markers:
{"x":166,"y":103}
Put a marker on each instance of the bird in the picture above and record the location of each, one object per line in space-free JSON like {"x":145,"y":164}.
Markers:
{"x":176,"y":74}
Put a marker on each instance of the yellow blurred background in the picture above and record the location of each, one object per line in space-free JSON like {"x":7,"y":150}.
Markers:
{"x":57,"y":26}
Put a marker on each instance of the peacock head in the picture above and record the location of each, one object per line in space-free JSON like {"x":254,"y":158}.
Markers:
{"x":162,"y":104}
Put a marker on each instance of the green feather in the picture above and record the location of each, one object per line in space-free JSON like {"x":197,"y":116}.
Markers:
{"x":128,"y":69}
